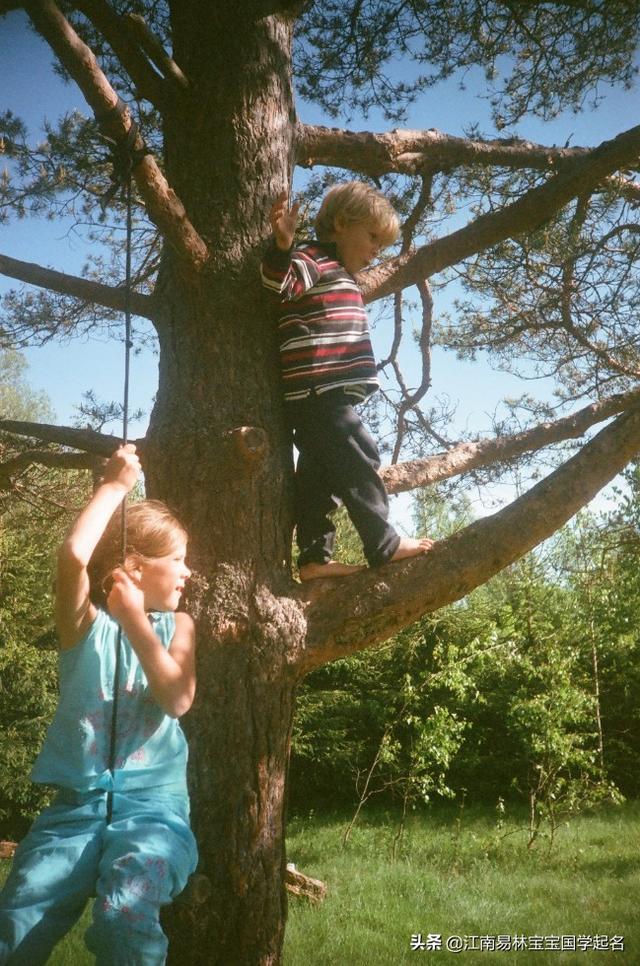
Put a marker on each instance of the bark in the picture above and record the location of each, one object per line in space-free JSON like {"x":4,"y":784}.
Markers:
{"x":432,"y":152}
{"x":7,"y":849}
{"x":299,"y":884}
{"x":80,"y":288}
{"x":154,"y":50}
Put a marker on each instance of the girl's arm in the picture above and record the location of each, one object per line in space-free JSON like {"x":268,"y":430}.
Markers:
{"x":171,"y":673}
{"x":74,"y":611}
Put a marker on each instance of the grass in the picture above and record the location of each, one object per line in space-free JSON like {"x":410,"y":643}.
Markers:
{"x":455,"y":878}
{"x":464,"y":880}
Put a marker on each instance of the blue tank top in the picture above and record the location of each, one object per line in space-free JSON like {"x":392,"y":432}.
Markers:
{"x":151,"y":749}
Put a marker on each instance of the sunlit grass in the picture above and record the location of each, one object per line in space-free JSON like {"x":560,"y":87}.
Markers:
{"x":469,"y":879}
{"x":451,"y":875}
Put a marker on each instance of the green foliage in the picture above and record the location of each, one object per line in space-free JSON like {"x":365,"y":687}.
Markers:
{"x":28,"y":689}
{"x":17,"y":399}
{"x":34,"y":513}
{"x":378,"y":723}
{"x":525,"y":691}
{"x":606,"y":583}
{"x":27,"y":700}
{"x":374,"y":725}
{"x":29,"y":537}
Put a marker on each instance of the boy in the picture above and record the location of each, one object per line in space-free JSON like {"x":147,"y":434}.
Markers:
{"x":327,"y":367}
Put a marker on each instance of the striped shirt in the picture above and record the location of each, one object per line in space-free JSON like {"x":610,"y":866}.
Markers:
{"x":323,"y":330}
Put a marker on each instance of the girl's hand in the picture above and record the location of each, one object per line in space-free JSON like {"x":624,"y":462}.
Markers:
{"x":123,"y":468}
{"x":125,"y":597}
{"x":283,"y":220}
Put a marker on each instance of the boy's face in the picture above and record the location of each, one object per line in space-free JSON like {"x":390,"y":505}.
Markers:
{"x":358,"y":243}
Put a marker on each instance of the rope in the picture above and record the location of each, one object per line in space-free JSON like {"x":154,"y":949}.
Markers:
{"x":123,"y":154}
{"x":124,"y":157}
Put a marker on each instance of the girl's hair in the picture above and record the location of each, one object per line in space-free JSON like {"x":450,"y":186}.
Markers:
{"x":152,"y":531}
{"x":357,"y":202}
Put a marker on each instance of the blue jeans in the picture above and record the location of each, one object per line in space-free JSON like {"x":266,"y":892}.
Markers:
{"x":133,"y":866}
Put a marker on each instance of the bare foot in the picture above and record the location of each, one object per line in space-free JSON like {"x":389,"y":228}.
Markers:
{"x":408,"y":547}
{"x":312,"y":571}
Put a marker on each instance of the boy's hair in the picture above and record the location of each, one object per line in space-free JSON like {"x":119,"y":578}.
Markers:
{"x":357,"y":202}
{"x":152,"y":531}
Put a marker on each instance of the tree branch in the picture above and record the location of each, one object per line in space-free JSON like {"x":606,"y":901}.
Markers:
{"x":113,"y":28}
{"x":154,"y":50}
{"x":464,"y":457}
{"x":570,"y":286}
{"x":531,"y":211}
{"x":346,"y":616}
{"x":82,"y":288}
{"x":165,"y":209}
{"x":410,"y":152}
{"x":414,"y":152}
{"x":87,"y":440}
{"x":67,"y":461}
{"x":410,"y":400}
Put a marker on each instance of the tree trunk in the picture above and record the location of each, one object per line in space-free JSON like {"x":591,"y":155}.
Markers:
{"x":216,"y":451}
{"x":240,"y":724}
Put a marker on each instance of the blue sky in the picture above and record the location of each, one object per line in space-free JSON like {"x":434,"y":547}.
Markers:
{"x":31,"y":89}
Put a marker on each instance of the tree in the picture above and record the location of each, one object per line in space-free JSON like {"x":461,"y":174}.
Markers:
{"x":220,"y":124}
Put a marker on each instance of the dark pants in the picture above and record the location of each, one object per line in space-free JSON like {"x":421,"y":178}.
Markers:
{"x":338,"y":458}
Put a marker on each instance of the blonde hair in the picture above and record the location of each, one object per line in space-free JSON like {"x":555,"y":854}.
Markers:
{"x":152,"y":531}
{"x":354,"y":202}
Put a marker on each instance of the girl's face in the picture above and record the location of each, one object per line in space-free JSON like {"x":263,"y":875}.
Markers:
{"x":162,"y":579}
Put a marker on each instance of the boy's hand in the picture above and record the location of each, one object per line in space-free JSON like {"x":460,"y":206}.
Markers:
{"x":123,"y":468}
{"x":283,"y":220}
{"x":125,"y":597}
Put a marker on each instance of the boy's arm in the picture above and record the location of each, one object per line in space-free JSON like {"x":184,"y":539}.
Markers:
{"x":284,"y":272}
{"x":74,"y":611}
{"x":171,"y":673}
{"x":283,"y":221}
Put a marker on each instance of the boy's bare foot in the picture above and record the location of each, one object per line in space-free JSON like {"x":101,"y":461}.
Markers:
{"x":408,"y":547}
{"x":333,"y":568}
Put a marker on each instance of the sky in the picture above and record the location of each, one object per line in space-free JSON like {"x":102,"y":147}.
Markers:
{"x":30,"y":88}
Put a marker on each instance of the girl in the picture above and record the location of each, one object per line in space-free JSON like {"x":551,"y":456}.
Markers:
{"x":119,"y":825}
